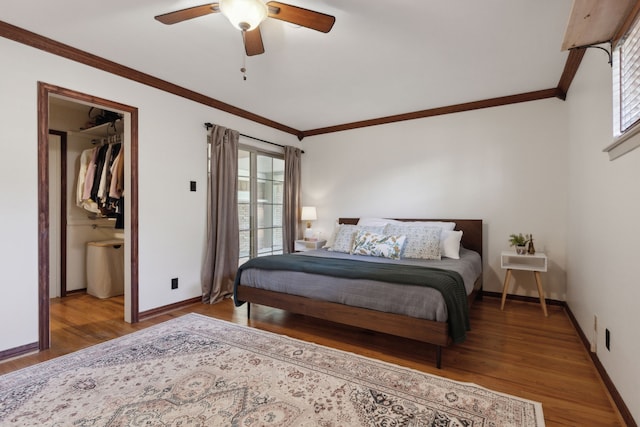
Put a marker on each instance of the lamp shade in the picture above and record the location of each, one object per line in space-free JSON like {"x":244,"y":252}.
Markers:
{"x":308,"y":213}
{"x":245,"y":15}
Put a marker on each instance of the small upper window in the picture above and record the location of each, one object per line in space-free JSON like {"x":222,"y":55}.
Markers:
{"x":626,"y":82}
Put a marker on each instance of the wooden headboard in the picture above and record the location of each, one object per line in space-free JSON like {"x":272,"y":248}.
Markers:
{"x":471,"y":230}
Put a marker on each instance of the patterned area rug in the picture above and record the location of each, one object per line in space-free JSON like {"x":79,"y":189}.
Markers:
{"x":199,"y":371}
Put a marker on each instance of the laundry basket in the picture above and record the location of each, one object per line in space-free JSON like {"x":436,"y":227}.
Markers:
{"x":105,"y":268}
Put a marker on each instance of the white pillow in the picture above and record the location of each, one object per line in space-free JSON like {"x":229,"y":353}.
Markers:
{"x":345,"y":235}
{"x":422,"y":242}
{"x":450,"y":244}
{"x":442,"y":224}
{"x":332,"y":237}
{"x":380,"y":245}
{"x":377,"y":222}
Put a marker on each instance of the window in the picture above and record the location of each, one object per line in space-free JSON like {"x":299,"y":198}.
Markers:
{"x":260,"y":203}
{"x":626,"y":81}
{"x":626,"y":93}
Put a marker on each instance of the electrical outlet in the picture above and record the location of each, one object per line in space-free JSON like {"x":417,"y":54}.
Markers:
{"x":174,"y":283}
{"x":192,"y":185}
{"x":607,"y":339}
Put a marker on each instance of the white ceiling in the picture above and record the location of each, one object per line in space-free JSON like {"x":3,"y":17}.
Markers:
{"x":381,"y":58}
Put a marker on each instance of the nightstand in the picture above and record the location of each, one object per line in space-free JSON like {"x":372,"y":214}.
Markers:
{"x":308,"y":245}
{"x":536,"y":263}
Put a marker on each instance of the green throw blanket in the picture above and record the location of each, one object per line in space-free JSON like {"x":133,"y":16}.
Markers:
{"x":449,"y":283}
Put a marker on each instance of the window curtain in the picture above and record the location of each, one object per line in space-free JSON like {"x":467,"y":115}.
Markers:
{"x":222,"y":251}
{"x":291,"y":203}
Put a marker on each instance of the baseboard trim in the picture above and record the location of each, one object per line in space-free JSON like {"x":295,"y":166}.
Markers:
{"x":617,"y":399}
{"x":18,"y":351}
{"x":144,"y":315}
{"x":524,"y":298}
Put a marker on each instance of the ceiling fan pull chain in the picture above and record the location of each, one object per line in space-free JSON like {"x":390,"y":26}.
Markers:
{"x":243,"y":70}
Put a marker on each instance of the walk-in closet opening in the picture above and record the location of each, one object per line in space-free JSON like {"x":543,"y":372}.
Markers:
{"x":89,"y":195}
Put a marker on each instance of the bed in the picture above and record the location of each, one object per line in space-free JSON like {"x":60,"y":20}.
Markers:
{"x":337,"y":299}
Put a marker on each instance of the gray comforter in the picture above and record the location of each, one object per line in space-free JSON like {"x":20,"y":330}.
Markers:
{"x":410,"y":300}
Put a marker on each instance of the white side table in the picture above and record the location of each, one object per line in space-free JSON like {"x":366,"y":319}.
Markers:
{"x":536,"y":263}
{"x":308,"y":245}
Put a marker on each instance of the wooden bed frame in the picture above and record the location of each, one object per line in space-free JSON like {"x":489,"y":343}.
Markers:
{"x":428,"y":331}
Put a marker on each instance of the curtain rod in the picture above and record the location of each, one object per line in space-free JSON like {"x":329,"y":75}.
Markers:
{"x":210,"y":125}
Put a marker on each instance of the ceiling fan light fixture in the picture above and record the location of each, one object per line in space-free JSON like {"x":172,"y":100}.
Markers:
{"x":245,"y":15}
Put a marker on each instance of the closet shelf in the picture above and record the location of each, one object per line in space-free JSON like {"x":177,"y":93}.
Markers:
{"x":101,"y":131}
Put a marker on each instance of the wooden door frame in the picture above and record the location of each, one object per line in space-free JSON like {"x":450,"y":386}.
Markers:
{"x":44,"y":91}
{"x":63,"y":209}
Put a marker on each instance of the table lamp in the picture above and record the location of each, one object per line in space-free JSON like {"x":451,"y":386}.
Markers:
{"x":308,"y":214}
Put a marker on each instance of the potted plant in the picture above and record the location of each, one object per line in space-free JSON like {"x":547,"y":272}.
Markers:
{"x":520,"y":242}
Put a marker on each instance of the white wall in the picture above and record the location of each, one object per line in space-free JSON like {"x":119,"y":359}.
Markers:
{"x":504,"y":165}
{"x":172,"y":152}
{"x":603,"y":261}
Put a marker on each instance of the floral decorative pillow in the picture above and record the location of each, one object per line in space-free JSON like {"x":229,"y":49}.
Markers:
{"x":422,"y":242}
{"x":345,"y":235}
{"x":381,"y":245}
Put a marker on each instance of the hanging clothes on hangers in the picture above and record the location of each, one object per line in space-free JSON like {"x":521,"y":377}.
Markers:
{"x":106,"y":204}
{"x":85,"y":159}
{"x":117,"y":176}
{"x":116,"y":190}
{"x":85,"y":201}
{"x":101,"y":158}
{"x":96,"y":175}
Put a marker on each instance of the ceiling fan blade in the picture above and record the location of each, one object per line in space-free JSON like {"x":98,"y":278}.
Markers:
{"x":189,"y":13}
{"x":299,"y":16}
{"x":253,"y":42}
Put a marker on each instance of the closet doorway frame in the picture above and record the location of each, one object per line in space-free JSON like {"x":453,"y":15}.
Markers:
{"x":45,"y":90}
{"x":62,"y":247}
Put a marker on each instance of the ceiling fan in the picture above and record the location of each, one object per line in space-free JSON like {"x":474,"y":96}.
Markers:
{"x":246,"y":15}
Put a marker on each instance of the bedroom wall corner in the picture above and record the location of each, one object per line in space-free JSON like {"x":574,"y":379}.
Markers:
{"x":602,"y":261}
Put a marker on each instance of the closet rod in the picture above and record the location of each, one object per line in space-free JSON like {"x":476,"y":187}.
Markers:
{"x":210,"y":125}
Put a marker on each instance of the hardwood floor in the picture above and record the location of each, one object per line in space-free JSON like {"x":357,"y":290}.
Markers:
{"x":516,"y":351}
